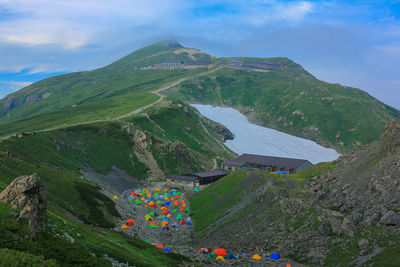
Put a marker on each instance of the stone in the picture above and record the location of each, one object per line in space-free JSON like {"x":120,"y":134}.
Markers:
{"x":390,"y":218}
{"x":363,"y":244}
{"x":28,"y":194}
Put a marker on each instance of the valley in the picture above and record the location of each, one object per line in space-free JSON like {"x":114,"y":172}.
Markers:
{"x":95,"y":137}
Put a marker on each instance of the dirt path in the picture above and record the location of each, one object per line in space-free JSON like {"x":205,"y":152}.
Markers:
{"x":129,"y":114}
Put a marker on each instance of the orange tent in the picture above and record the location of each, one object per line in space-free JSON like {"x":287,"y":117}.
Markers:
{"x":220,"y":258}
{"x":182,"y":209}
{"x":172,"y":198}
{"x":153,"y":223}
{"x":159,"y":246}
{"x":165,"y":190}
{"x":142,"y":199}
{"x":163,"y":208}
{"x":139,"y":221}
{"x":131,"y":220}
{"x":220,"y":251}
{"x":165,"y":198}
{"x":256,"y":257}
{"x":146,"y":206}
{"x":178,"y":197}
{"x":124,"y":226}
{"x":176,"y":203}
{"x":164,"y":212}
{"x":158,"y":189}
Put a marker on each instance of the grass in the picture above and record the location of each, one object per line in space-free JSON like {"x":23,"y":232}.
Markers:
{"x":98,"y":110}
{"x":51,"y":249}
{"x":341,"y":114}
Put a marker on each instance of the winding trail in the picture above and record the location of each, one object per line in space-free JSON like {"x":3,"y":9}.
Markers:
{"x":129,"y":114}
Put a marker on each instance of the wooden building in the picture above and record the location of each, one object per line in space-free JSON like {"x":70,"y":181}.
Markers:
{"x":267,"y":163}
{"x":209,"y":176}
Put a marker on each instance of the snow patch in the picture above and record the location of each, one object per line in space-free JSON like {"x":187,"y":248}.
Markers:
{"x":254,"y":139}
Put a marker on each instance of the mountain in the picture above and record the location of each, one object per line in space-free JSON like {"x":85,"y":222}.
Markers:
{"x":340,"y":213}
{"x":274,"y":92}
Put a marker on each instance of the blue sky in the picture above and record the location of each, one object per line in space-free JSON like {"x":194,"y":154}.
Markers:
{"x":355,"y":43}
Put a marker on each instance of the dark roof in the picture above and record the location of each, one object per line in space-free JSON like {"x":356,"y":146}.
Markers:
{"x":233,"y":163}
{"x":210,"y":173}
{"x":268,"y":161}
{"x":182,"y":177}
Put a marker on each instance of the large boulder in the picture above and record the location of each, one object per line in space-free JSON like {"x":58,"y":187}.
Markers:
{"x":390,"y":218}
{"x":28,"y":194}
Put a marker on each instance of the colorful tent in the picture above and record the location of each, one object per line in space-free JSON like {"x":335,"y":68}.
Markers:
{"x":212,"y":255}
{"x":220,"y":251}
{"x":115,"y":197}
{"x":153,"y":226}
{"x":167,"y":250}
{"x":220,"y":258}
{"x":163,"y":208}
{"x":165,"y":228}
{"x":179,"y":217}
{"x":174,"y":210}
{"x":182,"y":222}
{"x":196,"y":190}
{"x":275,"y":256}
{"x":256,"y":257}
{"x":230,"y":256}
{"x":169,"y":215}
{"x":164,"y":212}
{"x":124,"y":226}
{"x":160,"y":246}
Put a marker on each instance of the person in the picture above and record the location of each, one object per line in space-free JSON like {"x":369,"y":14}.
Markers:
{"x":7,"y":153}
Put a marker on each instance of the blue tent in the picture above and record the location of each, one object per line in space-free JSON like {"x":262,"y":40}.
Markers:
{"x":188,"y":223}
{"x":167,"y":250}
{"x":230,"y":256}
{"x":160,"y":198}
{"x":166,"y":219}
{"x":282,"y":172}
{"x":166,"y":203}
{"x":151,"y":198}
{"x":275,"y":256}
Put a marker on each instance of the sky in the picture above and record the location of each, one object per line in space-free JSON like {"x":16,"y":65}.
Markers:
{"x":354,"y":43}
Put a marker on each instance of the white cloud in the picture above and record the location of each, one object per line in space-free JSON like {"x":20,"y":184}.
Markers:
{"x":15,"y":85}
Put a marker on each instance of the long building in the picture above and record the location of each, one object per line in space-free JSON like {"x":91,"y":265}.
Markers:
{"x":196,"y":179}
{"x":268,"y":163}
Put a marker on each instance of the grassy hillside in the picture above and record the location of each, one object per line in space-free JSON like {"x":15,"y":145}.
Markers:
{"x":293,"y":101}
{"x":170,"y":137}
{"x":250,"y":211}
{"x":120,"y":79}
{"x":285,"y":97}
{"x":51,"y":248}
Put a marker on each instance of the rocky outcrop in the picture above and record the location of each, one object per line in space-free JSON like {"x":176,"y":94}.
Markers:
{"x":27,"y":194}
{"x":219,"y":130}
{"x":180,"y":152}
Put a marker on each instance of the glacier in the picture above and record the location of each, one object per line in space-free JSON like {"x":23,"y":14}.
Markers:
{"x":254,"y":139}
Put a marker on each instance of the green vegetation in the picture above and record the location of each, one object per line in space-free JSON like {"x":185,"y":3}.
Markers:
{"x":13,"y":258}
{"x":293,"y":101}
{"x":49,"y":249}
{"x":97,"y":110}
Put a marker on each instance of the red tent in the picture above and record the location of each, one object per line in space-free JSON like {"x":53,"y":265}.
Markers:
{"x":220,"y":251}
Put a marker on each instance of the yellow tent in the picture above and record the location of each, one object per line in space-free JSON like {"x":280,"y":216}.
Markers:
{"x":256,"y":257}
{"x":124,"y":226}
{"x":115,"y":197}
{"x":220,"y":258}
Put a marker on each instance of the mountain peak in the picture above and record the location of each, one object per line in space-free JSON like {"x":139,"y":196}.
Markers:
{"x":171,"y":43}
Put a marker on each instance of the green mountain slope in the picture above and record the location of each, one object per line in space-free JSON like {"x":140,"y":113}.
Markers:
{"x":170,"y":137}
{"x":282,"y":95}
{"x":293,"y":101}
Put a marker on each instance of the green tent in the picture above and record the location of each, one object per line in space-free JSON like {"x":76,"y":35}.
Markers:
{"x":138,"y":202}
{"x":153,"y":226}
{"x":130,"y":200}
{"x":179,"y":217}
{"x":161,"y":217}
{"x":196,"y":190}
{"x":156,"y":194}
{"x":187,"y":210}
{"x":174,"y":210}
{"x":159,"y":202}
{"x":212,"y":255}
{"x":151,"y":213}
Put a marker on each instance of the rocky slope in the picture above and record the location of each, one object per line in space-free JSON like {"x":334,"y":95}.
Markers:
{"x":340,"y":213}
